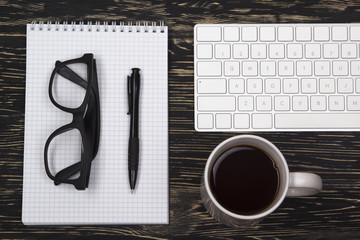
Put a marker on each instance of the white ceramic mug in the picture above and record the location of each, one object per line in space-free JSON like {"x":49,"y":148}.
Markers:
{"x":295,"y":184}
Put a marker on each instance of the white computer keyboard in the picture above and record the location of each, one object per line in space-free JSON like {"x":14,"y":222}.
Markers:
{"x":277,"y":77}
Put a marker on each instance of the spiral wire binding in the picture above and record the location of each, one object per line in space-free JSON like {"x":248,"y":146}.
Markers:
{"x":97,"y":24}
{"x":137,"y":26}
{"x":73,"y":26}
{"x":98,"y":27}
{"x":122,"y":26}
{"x":32,"y":25}
{"x":153,"y":24}
{"x":81,"y":24}
{"x":89,"y":26}
{"x":48,"y":25}
{"x":162,"y":26}
{"x":41,"y":25}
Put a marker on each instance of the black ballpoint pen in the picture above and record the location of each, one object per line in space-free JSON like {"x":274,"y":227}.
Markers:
{"x":133,"y":83}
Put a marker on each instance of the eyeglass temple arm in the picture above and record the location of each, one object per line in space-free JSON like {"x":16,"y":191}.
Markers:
{"x":69,"y":74}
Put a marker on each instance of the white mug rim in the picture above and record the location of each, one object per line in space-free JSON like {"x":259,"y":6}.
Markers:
{"x":239,"y":216}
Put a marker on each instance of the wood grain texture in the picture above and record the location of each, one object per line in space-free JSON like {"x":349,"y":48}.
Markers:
{"x":333,"y":214}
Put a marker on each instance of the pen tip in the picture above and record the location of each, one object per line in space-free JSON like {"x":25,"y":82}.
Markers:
{"x":132,"y":191}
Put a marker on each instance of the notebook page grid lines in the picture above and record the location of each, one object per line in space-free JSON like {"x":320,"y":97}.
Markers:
{"x":108,"y":198}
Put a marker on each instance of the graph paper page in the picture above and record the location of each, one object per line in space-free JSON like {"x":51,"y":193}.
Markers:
{"x":108,"y":199}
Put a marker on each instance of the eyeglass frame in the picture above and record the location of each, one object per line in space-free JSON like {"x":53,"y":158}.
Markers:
{"x":81,"y":118}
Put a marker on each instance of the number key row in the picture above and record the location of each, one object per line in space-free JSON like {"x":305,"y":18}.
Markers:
{"x":277,"y":51}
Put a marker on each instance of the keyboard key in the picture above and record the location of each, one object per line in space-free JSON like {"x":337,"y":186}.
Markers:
{"x":291,"y":85}
{"x":232,"y":68}
{"x":336,"y":103}
{"x":277,"y":51}
{"x":263,"y":103}
{"x":267,"y":34}
{"x":321,"y":34}
{"x":249,"y":68}
{"x":355,"y":68}
{"x":215,"y":104}
{"x":348,"y":50}
{"x":261,"y":121}
{"x":303,"y":68}
{"x":205,"y":121}
{"x":340,"y":68}
{"x":286,"y":68}
{"x":231,"y":34}
{"x":241,"y":121}
{"x":308,"y":85}
{"x":355,"y":33}
{"x":300,"y":103}
{"x":267,"y":68}
{"x":204,"y":51}
{"x":282,"y":103}
{"x":236,"y":85}
{"x":322,"y":68}
{"x":249,"y":34}
{"x":318,"y":103}
{"x":223,"y":120}
{"x":357,"y":84}
{"x":285,"y":34}
{"x":294,"y":51}
{"x":208,"y":34}
{"x":272,"y":85}
{"x":246,"y":103}
{"x":222,"y":51}
{"x":209,"y":69}
{"x":254,"y":85}
{"x":317,"y":120}
{"x":345,"y":85}
{"x":353,"y":103}
{"x":258,"y":51}
{"x":312,"y":50}
{"x":331,"y":50}
{"x":303,"y":34}
{"x":241,"y":51}
{"x":327,"y":85}
{"x":339,"y":33}
{"x":211,"y":85}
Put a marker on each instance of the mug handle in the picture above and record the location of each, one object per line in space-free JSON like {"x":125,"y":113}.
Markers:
{"x":304,"y":184}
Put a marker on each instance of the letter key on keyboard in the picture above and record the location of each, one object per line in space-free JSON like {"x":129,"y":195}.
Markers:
{"x":277,"y":77}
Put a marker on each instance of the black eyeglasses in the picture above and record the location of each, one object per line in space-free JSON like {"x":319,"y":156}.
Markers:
{"x":74,"y":89}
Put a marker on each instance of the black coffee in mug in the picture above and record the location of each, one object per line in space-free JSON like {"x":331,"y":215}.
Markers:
{"x":245,"y":180}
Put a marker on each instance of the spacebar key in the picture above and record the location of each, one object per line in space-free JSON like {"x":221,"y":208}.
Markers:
{"x":317,"y":120}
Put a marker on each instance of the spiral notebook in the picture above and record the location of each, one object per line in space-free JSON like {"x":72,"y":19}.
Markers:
{"x":108,"y":200}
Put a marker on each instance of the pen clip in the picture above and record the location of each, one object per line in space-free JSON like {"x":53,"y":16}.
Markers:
{"x":129,"y":94}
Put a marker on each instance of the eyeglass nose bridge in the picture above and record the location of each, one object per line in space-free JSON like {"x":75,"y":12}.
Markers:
{"x":78,"y":119}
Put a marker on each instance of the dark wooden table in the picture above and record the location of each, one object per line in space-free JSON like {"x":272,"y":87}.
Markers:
{"x":333,"y":214}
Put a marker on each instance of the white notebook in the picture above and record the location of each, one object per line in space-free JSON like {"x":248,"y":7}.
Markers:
{"x":108,"y":200}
